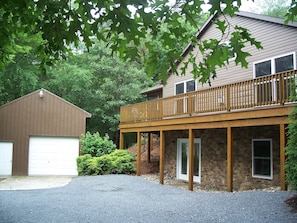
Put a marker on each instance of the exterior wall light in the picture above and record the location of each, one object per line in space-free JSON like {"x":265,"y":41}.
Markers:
{"x":41,"y":94}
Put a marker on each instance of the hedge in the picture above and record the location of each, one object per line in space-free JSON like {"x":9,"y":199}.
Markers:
{"x":117,"y":162}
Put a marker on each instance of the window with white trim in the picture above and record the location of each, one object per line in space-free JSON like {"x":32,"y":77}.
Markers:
{"x":268,"y":91}
{"x":275,"y":64}
{"x":262,"y":158}
{"x":185,"y":86}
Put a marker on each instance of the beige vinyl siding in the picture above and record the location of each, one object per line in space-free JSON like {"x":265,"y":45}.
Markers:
{"x":275,"y":38}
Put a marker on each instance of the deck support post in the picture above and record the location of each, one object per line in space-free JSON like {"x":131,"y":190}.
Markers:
{"x":229,"y":160}
{"x":191,"y":159}
{"x":162,"y":154}
{"x":149,"y":145}
{"x":121,"y":144}
{"x":282,"y":146}
{"x":138,"y":171}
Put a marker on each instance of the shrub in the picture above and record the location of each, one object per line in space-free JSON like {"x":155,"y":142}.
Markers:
{"x":122,"y":162}
{"x":118,"y":162}
{"x":95,"y":145}
{"x":104,"y":165}
{"x":291,"y":151}
{"x":82,"y":163}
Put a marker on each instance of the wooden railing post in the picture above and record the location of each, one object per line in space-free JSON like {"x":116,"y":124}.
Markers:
{"x":228,"y":98}
{"x":281,"y":89}
{"x":160,"y":109}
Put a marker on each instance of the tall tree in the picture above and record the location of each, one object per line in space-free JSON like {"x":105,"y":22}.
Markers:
{"x":100,"y":84}
{"x":126,"y":24}
{"x":22,"y":73}
{"x":159,"y":60}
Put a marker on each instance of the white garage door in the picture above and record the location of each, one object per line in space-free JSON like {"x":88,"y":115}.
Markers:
{"x":53,"y":156}
{"x":6,"y":158}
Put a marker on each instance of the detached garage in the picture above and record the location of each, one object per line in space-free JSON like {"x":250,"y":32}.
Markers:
{"x":39,"y":135}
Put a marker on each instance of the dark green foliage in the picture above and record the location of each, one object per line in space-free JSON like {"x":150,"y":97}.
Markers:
{"x":82,"y":164}
{"x":122,"y":162}
{"x":100,"y":157}
{"x":130,"y":139}
{"x":64,"y":24}
{"x":291,"y":148}
{"x":99,"y":165}
{"x":100,"y":84}
{"x":118,"y":162}
{"x":291,"y":151}
{"x":95,"y":145}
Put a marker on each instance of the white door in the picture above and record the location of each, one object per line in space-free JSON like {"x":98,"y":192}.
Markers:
{"x":182,"y":168}
{"x":6,"y":158}
{"x":53,"y":156}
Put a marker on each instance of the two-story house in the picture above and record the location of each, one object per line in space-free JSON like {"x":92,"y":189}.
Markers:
{"x":230,"y":135}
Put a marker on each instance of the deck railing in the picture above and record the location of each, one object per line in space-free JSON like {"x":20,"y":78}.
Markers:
{"x":263,"y":91}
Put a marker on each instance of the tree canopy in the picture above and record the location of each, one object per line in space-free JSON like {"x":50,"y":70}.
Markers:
{"x":100,"y":84}
{"x":123,"y":24}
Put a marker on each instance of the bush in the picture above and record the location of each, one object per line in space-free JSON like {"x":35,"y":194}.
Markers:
{"x":95,"y":145}
{"x":118,"y":162}
{"x":122,"y":162}
{"x":291,"y":151}
{"x":82,"y":163}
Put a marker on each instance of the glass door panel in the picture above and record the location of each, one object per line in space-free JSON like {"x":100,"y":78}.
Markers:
{"x":184,"y":158}
{"x":196,"y":159}
{"x":182,"y":168}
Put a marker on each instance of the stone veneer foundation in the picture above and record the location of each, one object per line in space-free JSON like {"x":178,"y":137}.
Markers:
{"x":214,"y":156}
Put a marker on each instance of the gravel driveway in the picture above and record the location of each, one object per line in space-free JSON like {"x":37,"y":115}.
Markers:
{"x":122,"y":198}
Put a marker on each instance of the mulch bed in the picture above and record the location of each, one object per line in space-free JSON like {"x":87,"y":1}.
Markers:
{"x":292,"y":202}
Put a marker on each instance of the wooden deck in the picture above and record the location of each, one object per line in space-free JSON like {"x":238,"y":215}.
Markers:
{"x":269,"y":91}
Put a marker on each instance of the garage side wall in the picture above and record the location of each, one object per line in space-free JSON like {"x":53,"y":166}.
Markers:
{"x":33,"y":115}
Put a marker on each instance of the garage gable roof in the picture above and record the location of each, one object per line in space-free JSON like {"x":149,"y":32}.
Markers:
{"x":46,"y":93}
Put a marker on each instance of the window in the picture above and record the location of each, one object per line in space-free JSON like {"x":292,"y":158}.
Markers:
{"x":263,"y":68}
{"x":179,"y":88}
{"x":275,"y":65}
{"x":185,"y":86}
{"x":268,"y":90}
{"x":262,"y":158}
{"x":284,"y":63}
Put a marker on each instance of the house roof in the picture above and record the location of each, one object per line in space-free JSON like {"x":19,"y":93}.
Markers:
{"x":152,"y":89}
{"x":241,"y":14}
{"x":88,"y":115}
{"x":265,"y":18}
